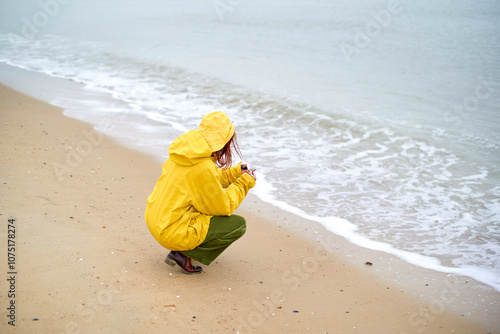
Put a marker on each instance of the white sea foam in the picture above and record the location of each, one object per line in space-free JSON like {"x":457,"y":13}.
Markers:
{"x":346,"y":229}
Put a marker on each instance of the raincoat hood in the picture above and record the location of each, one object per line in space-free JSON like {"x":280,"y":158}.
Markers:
{"x":189,"y":149}
{"x":217,"y":130}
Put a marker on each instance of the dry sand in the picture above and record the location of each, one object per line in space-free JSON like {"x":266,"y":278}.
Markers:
{"x":86,"y":262}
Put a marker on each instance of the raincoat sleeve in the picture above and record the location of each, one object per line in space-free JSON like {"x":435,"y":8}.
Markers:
{"x":214,"y":200}
{"x":229,"y":175}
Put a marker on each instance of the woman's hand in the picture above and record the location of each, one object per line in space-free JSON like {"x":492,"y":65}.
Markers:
{"x":249,"y":171}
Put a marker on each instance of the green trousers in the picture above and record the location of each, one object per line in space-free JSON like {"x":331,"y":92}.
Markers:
{"x":222,"y":232}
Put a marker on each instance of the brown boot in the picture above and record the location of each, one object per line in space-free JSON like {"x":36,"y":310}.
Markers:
{"x":183,"y":261}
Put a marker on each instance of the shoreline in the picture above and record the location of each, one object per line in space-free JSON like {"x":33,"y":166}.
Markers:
{"x":292,"y":271}
{"x":80,"y":103}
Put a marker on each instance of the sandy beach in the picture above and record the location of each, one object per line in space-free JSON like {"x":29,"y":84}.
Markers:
{"x":85,"y":261}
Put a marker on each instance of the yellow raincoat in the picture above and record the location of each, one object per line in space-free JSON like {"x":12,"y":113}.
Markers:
{"x":192,"y":189}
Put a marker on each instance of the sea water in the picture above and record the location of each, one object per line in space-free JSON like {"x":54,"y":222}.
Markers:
{"x":377,"y":119}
